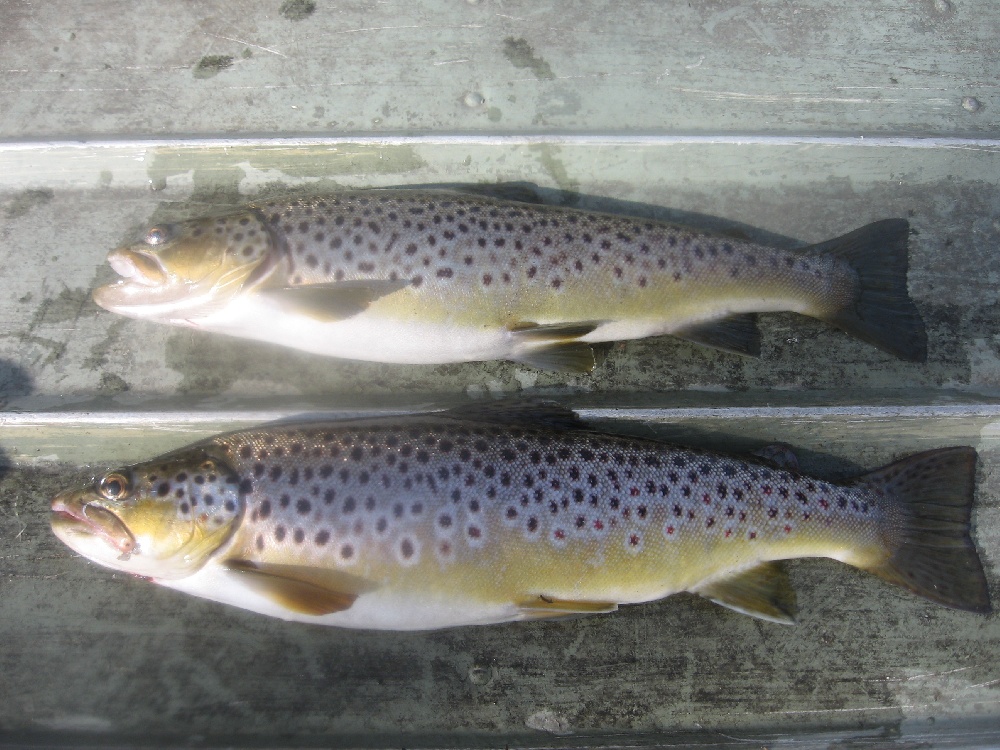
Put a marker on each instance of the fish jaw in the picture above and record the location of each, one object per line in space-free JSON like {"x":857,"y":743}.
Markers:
{"x":91,"y":530}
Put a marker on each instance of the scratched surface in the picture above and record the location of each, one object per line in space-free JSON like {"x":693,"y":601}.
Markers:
{"x":483,"y":65}
{"x":89,"y":657}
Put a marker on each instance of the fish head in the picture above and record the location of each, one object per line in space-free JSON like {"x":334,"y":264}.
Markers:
{"x":163,"y":519}
{"x":181,"y":272}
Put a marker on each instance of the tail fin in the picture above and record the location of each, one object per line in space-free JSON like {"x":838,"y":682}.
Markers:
{"x":883,"y":313}
{"x":936,"y":558}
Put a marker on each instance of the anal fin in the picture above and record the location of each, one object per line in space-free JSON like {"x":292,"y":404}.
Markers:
{"x":763,"y":591}
{"x":546,"y":607}
{"x":300,"y":589}
{"x":737,"y":333}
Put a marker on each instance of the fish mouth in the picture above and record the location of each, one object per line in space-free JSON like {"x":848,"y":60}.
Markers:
{"x":70,"y":516}
{"x":138,"y":267}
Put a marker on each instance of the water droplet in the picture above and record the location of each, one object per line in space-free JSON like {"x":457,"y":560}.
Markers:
{"x":943,"y":6}
{"x":971,"y":103}
{"x":473,"y":99}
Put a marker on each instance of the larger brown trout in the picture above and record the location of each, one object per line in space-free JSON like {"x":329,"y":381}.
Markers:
{"x":489,"y":514}
{"x":417,"y":276}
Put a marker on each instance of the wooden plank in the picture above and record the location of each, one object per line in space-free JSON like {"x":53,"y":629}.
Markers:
{"x":59,"y":348}
{"x":432,"y":66}
{"x":88,"y":650}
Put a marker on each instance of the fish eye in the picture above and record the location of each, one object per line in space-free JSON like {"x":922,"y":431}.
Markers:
{"x":156,"y":236}
{"x":113,"y":487}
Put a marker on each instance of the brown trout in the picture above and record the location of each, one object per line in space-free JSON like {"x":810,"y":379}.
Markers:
{"x":490,"y":514}
{"x":420,"y":276}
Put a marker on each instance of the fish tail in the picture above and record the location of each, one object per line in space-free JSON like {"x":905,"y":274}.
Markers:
{"x":936,"y":557}
{"x":882,"y":312}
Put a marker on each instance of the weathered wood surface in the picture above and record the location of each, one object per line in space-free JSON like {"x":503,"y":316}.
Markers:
{"x":120,"y":67}
{"x":60,"y":348}
{"x":87,"y":650}
{"x":495,"y":91}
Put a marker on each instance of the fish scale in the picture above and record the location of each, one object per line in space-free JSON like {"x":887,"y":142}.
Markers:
{"x":469,"y":242}
{"x":481,"y":515}
{"x":431,"y":276}
{"x":381,"y":500}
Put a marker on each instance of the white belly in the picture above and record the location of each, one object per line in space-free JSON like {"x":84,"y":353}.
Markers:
{"x":368,"y":335}
{"x":376,"y":610}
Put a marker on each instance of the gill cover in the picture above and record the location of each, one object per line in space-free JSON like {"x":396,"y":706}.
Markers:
{"x":187,"y":270}
{"x":163,"y":519}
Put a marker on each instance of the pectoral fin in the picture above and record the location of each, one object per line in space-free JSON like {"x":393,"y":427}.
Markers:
{"x":737,"y":333}
{"x":763,"y":591}
{"x":329,"y":302}
{"x":306,"y":591}
{"x":544,"y":607}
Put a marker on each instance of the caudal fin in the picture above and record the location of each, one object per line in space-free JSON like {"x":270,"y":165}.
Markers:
{"x":936,"y":558}
{"x":883,"y":313}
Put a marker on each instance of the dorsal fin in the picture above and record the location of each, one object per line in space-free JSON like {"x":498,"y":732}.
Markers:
{"x":779,"y":455}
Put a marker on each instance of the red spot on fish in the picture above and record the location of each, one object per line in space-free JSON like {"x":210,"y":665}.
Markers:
{"x":788,"y":529}
{"x":766,"y":489}
{"x":598,"y":524}
{"x":823,"y":503}
{"x":729,"y":533}
{"x":559,"y":534}
{"x":670,"y":529}
{"x":752,"y":535}
{"x":634,"y":492}
{"x":634,"y":540}
{"x":706,"y":499}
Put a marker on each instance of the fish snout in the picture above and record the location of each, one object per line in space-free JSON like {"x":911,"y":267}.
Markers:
{"x":137,"y":266}
{"x":72,"y":515}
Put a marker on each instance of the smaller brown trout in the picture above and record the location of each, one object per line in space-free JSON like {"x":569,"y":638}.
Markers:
{"x":424,"y":277}
{"x":487,"y":514}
